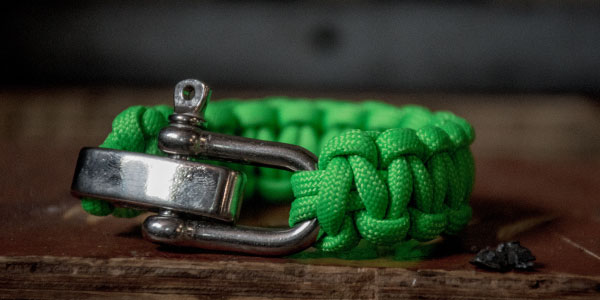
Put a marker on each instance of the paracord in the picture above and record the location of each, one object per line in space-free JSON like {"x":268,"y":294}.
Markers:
{"x":386,"y":174}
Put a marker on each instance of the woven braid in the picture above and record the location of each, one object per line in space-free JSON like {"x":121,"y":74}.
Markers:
{"x":382,"y":185}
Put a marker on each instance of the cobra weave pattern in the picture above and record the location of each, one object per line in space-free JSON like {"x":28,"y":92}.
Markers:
{"x":385,"y":174}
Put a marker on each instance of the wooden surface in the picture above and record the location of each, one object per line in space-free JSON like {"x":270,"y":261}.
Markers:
{"x":538,"y":181}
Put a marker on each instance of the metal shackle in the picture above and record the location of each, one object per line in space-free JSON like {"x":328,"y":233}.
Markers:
{"x":185,"y":137}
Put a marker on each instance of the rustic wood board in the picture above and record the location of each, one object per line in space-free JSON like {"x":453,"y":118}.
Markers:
{"x":538,"y":181}
{"x":83,"y":278}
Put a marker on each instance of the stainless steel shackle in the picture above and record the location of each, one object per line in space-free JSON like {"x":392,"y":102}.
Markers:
{"x":198,"y":203}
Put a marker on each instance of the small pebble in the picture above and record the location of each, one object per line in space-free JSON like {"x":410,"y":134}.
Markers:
{"x":505,"y":257}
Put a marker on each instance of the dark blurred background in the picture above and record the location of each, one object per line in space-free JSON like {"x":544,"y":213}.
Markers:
{"x":525,"y":73}
{"x":441,"y":46}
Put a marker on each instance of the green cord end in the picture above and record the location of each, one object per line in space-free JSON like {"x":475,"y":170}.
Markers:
{"x":102,"y":208}
{"x":96,"y":207}
{"x":208,"y":96}
{"x":414,"y":250}
{"x":123,"y":212}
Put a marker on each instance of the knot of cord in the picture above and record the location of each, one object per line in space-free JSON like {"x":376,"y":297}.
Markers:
{"x":380,"y":185}
{"x":389,"y":186}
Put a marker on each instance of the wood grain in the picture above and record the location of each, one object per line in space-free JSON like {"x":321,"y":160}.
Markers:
{"x":87,"y":278}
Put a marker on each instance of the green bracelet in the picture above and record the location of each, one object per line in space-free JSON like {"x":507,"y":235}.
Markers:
{"x":386,"y":175}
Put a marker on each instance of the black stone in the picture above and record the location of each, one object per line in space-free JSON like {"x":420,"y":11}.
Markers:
{"x":505,"y":257}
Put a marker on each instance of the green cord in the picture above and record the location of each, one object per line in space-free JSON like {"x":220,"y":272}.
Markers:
{"x":388,"y":187}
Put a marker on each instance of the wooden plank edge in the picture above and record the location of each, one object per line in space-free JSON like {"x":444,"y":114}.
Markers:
{"x":45,"y":277}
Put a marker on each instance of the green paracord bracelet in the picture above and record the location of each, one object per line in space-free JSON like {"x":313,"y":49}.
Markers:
{"x":389,"y":176}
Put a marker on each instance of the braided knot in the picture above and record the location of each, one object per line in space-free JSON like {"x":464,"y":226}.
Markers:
{"x":385,"y":187}
{"x":276,"y":119}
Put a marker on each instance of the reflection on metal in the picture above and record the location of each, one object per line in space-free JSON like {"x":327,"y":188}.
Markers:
{"x":177,"y":187}
{"x":149,"y":181}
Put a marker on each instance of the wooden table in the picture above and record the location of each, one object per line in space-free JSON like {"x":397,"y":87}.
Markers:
{"x":538,"y":181}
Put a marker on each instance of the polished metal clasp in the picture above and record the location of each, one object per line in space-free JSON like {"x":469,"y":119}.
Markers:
{"x":198,"y":203}
{"x":153,"y":183}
